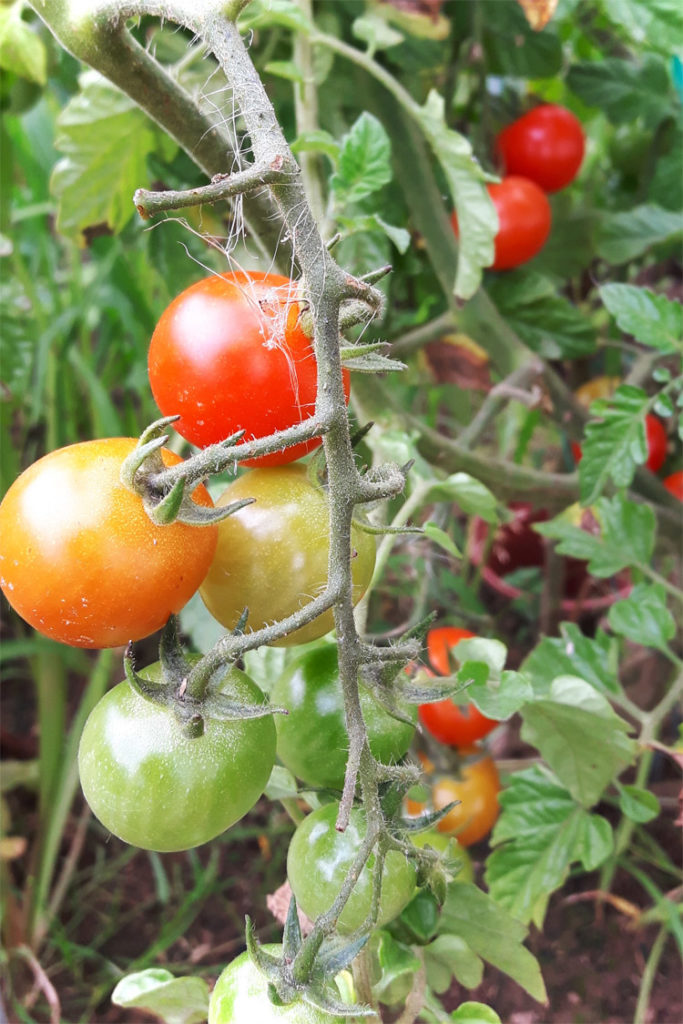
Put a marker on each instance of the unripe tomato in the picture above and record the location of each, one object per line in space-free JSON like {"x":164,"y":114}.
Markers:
{"x":477,"y":790}
{"x":445,"y":720}
{"x":319,"y":858}
{"x":449,"y":846}
{"x":312,"y":740}
{"x":524,"y":220}
{"x":81,"y":561}
{"x":674,"y":484}
{"x":154,"y":786}
{"x":241,"y":995}
{"x":272,"y":556}
{"x":546,"y":145}
{"x":230,"y":353}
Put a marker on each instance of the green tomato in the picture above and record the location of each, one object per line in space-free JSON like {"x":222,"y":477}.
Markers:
{"x":312,"y":740}
{"x":241,"y":997}
{"x":319,"y":858}
{"x":450,"y":848}
{"x":272,"y":555}
{"x":156,"y":787}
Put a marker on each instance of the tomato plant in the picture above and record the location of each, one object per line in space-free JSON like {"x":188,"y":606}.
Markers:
{"x":81,"y":561}
{"x":156,"y":787}
{"x":319,"y":858}
{"x":524,"y":220}
{"x":447,"y":722}
{"x":230,"y":353}
{"x":477,"y":788}
{"x":312,"y":740}
{"x":546,"y":146}
{"x":657,"y":443}
{"x":272,"y":556}
{"x":449,"y":847}
{"x":674,"y":484}
{"x":241,"y":994}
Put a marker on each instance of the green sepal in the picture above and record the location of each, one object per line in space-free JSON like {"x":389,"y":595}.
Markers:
{"x":382,"y":530}
{"x":203,"y":515}
{"x":291,"y":937}
{"x":323,"y":997}
{"x":266,"y":963}
{"x":174,"y":665}
{"x":337,"y":954}
{"x":241,"y":623}
{"x":373,"y":276}
{"x":437,"y":690}
{"x":152,"y":692}
{"x":217,"y":706}
{"x":373,"y":363}
{"x":358,"y":435}
{"x":167,"y":509}
{"x":429,"y":818}
{"x":130,"y":466}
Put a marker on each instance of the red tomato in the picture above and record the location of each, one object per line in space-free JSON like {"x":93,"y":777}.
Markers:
{"x":674,"y":484}
{"x":546,"y":145}
{"x":657,"y":442}
{"x":81,"y":561}
{"x":448,"y":723}
{"x":524,"y":220}
{"x":230,"y":353}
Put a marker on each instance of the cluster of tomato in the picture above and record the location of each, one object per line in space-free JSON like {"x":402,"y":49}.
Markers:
{"x":540,"y":152}
{"x":475,"y":786}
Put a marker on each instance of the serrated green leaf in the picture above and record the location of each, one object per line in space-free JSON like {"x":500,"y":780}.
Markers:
{"x":21,"y":50}
{"x":615,"y":444}
{"x":580,"y":737}
{"x":540,"y":833}
{"x":473,"y":497}
{"x":545,"y":321}
{"x":501,"y":698}
{"x":394,"y":967}
{"x":450,"y":957}
{"x":443,"y":539}
{"x":475,"y":1013}
{"x":638,"y":804}
{"x":653,"y":320}
{"x":594,"y":659}
{"x":105,"y":139}
{"x":493,"y":934}
{"x":623,"y":89}
{"x":624,"y":236}
{"x":477,"y":218}
{"x":643,"y":617}
{"x":175,"y":1000}
{"x":364,"y":163}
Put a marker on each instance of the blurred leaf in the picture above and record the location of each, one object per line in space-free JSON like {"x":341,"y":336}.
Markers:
{"x":491,"y":933}
{"x":440,"y":537}
{"x":396,"y":965}
{"x":513,"y":47}
{"x":364,"y":163}
{"x":666,"y":186}
{"x":265,"y":13}
{"x":500,"y":698}
{"x":281,"y":784}
{"x":175,"y":1000}
{"x":643,"y":617}
{"x":373,"y":29}
{"x":594,"y":659}
{"x":286,"y":69}
{"x":624,"y":90}
{"x":450,"y":957}
{"x":640,"y":805}
{"x":473,"y":497}
{"x":399,"y":237}
{"x":317,"y":142}
{"x":653,"y":320}
{"x":21,"y":50}
{"x":615,"y":444}
{"x":548,"y":323}
{"x":471,"y":1012}
{"x":627,"y":536}
{"x":624,"y":236}
{"x":540,"y":833}
{"x":660,"y":22}
{"x":580,"y":736}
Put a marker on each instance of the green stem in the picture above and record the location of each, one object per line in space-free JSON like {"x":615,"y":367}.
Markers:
{"x":649,"y":974}
{"x":661,"y":580}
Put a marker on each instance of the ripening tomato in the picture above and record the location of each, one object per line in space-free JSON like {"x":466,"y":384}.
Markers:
{"x":154,"y":786}
{"x":81,"y":561}
{"x":230,"y":354}
{"x":448,"y":723}
{"x":674,"y":484}
{"x":241,"y":995}
{"x":602,"y":386}
{"x":477,"y":789}
{"x":657,"y":443}
{"x":272,"y":555}
{"x":312,"y":740}
{"x":319,"y":858}
{"x":546,"y":146}
{"x":524,"y":219}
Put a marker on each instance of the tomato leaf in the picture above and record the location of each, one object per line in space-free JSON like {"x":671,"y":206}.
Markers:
{"x":21,"y":49}
{"x":175,"y":1000}
{"x":473,"y":497}
{"x":545,"y":321}
{"x":643,"y":617}
{"x":626,"y":235}
{"x":364,"y":163}
{"x":493,"y":934}
{"x":450,"y":957}
{"x":653,"y":320}
{"x":393,"y":967}
{"x":627,"y":536}
{"x":475,"y":1013}
{"x":540,"y":833}
{"x":579,"y":735}
{"x":373,"y":29}
{"x":513,"y":48}
{"x":500,"y":697}
{"x":623,"y":89}
{"x":658,"y":21}
{"x":443,"y":539}
{"x":638,"y":804}
{"x":284,"y":13}
{"x":596,"y":660}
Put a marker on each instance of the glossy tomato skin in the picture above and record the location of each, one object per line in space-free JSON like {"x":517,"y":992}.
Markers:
{"x":81,"y":561}
{"x":477,"y":790}
{"x":312,"y":740}
{"x":229,"y":353}
{"x":158,"y":789}
{"x":319,"y":858}
{"x":241,"y":995}
{"x":272,"y":555}
{"x":524,"y":220}
{"x":448,"y":723}
{"x":546,"y":145}
{"x":674,"y":484}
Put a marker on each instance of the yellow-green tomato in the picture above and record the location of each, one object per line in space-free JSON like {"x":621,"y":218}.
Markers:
{"x":272,"y":555}
{"x":312,"y":740}
{"x":319,"y":858}
{"x":241,"y":997}
{"x":154,"y":786}
{"x":448,"y":847}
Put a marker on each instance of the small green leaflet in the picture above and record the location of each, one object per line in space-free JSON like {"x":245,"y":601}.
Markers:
{"x":653,"y":320}
{"x":615,"y":444}
{"x":22,"y":51}
{"x":364,"y":163}
{"x":285,"y":13}
{"x":624,"y":236}
{"x":643,"y":617}
{"x":440,"y":537}
{"x":594,"y":659}
{"x":623,"y":89}
{"x":175,"y":1000}
{"x":448,"y":957}
{"x":475,"y":1013}
{"x":545,"y":321}
{"x":640,"y":805}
